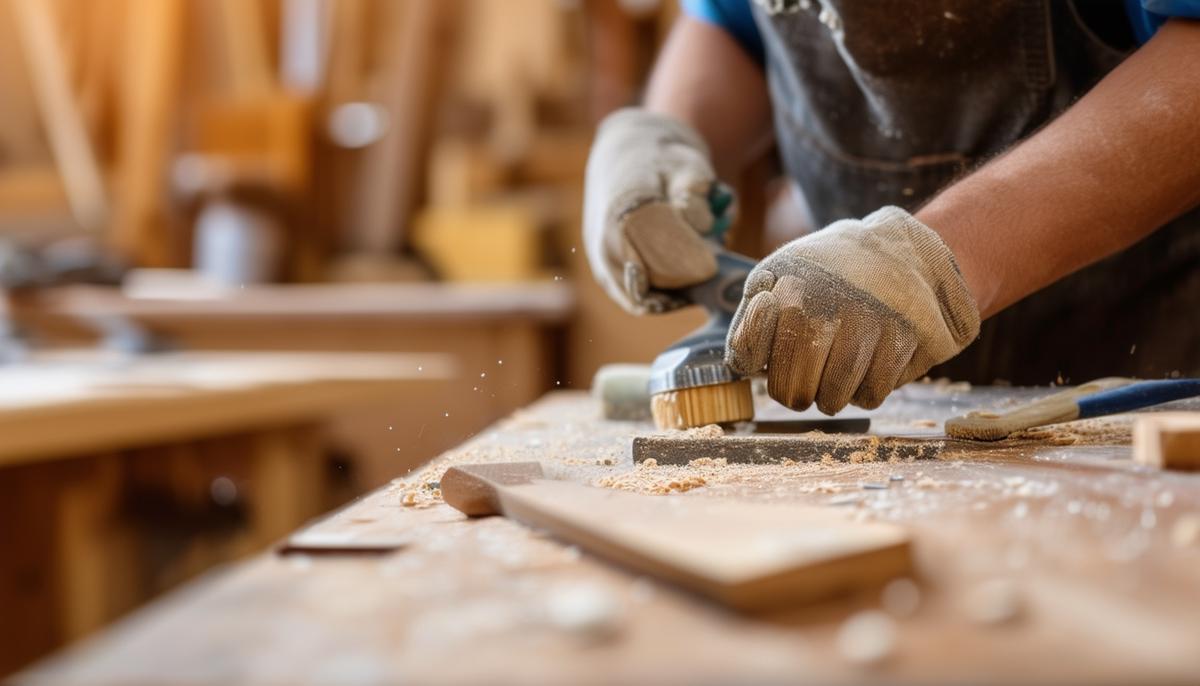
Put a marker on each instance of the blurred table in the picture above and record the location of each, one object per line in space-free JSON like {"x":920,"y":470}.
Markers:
{"x":120,"y":475}
{"x":502,"y":337}
{"x":1051,"y":558}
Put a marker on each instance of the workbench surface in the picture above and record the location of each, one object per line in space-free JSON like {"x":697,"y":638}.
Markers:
{"x":1052,"y":558}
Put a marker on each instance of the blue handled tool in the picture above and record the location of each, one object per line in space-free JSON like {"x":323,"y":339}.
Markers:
{"x":1094,"y":399}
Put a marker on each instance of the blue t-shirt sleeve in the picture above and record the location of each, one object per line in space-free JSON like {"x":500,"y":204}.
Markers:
{"x":1147,"y":15}
{"x":735,"y":17}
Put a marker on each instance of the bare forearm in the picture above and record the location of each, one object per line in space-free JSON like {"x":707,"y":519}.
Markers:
{"x":1120,"y":163}
{"x":704,"y":78}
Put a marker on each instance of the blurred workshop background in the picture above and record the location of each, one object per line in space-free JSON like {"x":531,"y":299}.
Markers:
{"x":261,"y":256}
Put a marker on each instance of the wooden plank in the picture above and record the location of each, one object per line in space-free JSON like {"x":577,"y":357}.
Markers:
{"x":394,"y":167}
{"x":543,"y":302}
{"x":151,"y":72}
{"x":247,"y":59}
{"x":184,"y":395}
{"x":287,"y":474}
{"x":64,"y":123}
{"x":749,"y":556}
{"x":90,"y":552}
{"x":21,"y":136}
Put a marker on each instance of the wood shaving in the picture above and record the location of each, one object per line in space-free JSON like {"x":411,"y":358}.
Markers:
{"x":1116,"y":430}
{"x":683,"y":485}
{"x":420,"y":492}
{"x":639,"y":483}
{"x":1064,"y":438}
{"x":707,"y":431}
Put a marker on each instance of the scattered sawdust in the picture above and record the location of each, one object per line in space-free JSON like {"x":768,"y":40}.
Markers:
{"x":421,"y":492}
{"x":1035,"y":434}
{"x":664,"y":481}
{"x":682,"y":486}
{"x":1099,"y":431}
{"x":1064,"y":438}
{"x":707,"y":431}
{"x":707,"y":462}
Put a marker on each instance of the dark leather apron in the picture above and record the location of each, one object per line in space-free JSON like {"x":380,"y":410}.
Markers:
{"x":882,"y":102}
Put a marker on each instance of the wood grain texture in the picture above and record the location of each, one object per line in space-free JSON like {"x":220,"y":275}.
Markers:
{"x":152,"y":66}
{"x":182,"y":395}
{"x":1106,"y":596}
{"x":749,"y":556}
{"x":536,"y":301}
{"x":61,"y":115}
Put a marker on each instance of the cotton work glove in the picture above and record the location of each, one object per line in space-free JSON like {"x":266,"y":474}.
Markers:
{"x":647,"y":209}
{"x":851,"y":312}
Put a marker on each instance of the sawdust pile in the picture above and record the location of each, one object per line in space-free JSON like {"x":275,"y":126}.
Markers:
{"x":420,"y":493}
{"x":715,"y":475}
{"x":650,"y":478}
{"x":1099,"y":431}
{"x":706,"y":431}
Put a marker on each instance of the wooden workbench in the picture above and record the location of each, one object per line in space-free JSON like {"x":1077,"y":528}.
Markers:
{"x":1082,"y":536}
{"x":121,"y":476}
{"x":500,"y":337}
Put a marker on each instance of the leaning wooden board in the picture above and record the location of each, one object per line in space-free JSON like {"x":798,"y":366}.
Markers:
{"x":749,"y":556}
{"x":1092,"y":542}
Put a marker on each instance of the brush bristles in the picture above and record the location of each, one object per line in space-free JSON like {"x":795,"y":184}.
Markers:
{"x":691,"y":407}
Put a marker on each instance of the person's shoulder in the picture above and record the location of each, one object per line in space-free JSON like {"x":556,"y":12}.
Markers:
{"x":735,"y":17}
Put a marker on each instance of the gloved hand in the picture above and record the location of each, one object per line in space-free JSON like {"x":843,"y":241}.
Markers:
{"x":851,"y":312}
{"x":646,"y":209}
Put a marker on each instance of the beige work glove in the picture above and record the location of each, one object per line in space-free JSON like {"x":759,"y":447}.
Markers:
{"x":646,"y":209}
{"x":851,"y":312}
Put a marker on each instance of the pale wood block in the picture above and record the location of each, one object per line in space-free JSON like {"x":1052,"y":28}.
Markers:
{"x":751,"y":556}
{"x":1168,"y":440}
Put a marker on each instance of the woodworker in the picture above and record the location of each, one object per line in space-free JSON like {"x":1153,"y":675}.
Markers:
{"x":1031,"y":164}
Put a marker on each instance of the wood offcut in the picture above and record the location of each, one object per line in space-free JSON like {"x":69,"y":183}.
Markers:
{"x":751,"y":556}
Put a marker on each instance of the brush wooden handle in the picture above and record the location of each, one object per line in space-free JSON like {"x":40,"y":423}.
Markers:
{"x":1097,"y":398}
{"x":748,"y":555}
